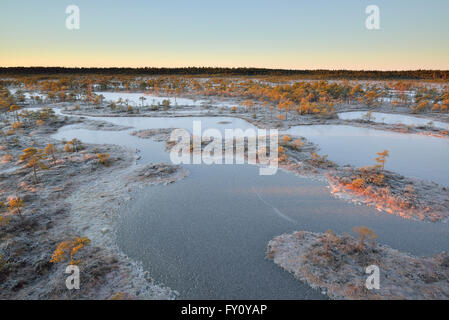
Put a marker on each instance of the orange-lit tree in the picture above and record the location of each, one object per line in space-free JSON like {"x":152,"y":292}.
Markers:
{"x":14,"y":205}
{"x":382,"y":159}
{"x":34,"y":158}
{"x":364,"y":233}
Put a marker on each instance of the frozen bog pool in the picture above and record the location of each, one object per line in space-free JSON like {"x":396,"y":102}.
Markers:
{"x":134,"y":99}
{"x":28,"y":94}
{"x":142,"y":123}
{"x":389,"y":118}
{"x":147,"y":148}
{"x":412,"y":155}
{"x":34,"y":109}
{"x":151,"y":99}
{"x":206,"y":235}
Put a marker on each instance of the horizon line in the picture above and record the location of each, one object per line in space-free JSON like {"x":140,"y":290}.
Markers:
{"x":219,"y":67}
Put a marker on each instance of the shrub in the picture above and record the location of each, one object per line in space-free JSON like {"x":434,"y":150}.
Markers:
{"x":286,"y":139}
{"x":14,"y":205}
{"x":364,"y":233}
{"x":68,"y":249}
{"x":4,"y":221}
{"x":282,"y":156}
{"x":7,"y":158}
{"x":73,"y":146}
{"x":50,"y":150}
{"x":118,"y":296}
{"x":103,"y":158}
{"x":17,"y":125}
{"x":358,"y":183}
{"x":297,"y":144}
{"x":166,"y":104}
{"x":371,"y":175}
{"x":320,"y":160}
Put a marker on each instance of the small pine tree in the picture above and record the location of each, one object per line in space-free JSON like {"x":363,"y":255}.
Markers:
{"x":34,"y":158}
{"x":50,"y":150}
{"x":382,"y":159}
{"x":14,"y":205}
{"x":364,"y":233}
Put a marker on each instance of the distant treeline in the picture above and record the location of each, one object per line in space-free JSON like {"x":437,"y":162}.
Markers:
{"x":310,"y":74}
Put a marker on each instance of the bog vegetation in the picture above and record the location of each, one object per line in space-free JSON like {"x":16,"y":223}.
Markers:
{"x":289,"y":97}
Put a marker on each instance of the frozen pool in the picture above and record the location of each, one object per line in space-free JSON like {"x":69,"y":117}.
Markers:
{"x":134,"y":98}
{"x":389,"y":118}
{"x":151,"y":99}
{"x":412,"y":155}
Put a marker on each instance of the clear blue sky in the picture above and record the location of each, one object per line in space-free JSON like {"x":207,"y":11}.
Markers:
{"x":259,"y":33}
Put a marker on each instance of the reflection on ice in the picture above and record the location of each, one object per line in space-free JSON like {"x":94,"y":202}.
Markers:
{"x":410,"y":154}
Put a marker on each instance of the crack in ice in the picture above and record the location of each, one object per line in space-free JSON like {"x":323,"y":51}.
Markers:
{"x":279,"y":213}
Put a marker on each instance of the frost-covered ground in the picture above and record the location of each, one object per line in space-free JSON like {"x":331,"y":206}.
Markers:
{"x":337,"y":264}
{"x":28,"y":95}
{"x":74,"y":197}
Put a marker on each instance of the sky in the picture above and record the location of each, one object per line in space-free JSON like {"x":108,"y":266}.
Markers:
{"x":287,"y":34}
